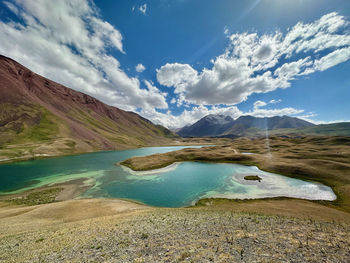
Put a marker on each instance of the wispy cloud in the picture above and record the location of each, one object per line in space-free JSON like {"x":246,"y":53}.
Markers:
{"x":275,"y":101}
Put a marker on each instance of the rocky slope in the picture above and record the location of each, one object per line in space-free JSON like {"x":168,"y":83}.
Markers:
{"x":41,"y":117}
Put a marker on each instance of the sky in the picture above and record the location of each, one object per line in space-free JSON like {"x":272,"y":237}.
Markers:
{"x":176,"y":61}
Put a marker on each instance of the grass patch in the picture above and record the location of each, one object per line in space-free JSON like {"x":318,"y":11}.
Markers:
{"x":37,"y":197}
{"x":44,"y":131}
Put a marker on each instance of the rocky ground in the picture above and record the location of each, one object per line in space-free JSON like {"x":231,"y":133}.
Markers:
{"x":181,"y":235}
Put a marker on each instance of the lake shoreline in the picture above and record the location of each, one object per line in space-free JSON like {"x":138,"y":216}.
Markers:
{"x":209,"y":142}
{"x":293,"y":161}
{"x":70,"y":190}
{"x":252,"y":146}
{"x":73,"y":189}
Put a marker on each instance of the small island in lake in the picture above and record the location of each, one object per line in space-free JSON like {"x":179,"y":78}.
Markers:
{"x":253,"y":178}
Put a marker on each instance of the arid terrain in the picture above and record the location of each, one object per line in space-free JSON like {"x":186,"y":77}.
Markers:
{"x":45,"y":225}
{"x":119,"y":231}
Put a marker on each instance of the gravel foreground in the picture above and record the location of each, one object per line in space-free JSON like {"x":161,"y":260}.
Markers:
{"x":182,"y":235}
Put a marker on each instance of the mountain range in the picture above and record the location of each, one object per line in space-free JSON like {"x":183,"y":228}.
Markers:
{"x":40,"y":116}
{"x":225,"y":126}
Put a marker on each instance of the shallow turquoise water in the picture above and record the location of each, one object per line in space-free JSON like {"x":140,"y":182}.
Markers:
{"x":174,"y":186}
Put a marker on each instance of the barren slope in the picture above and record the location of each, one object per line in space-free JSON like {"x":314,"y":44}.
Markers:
{"x":39,"y":116}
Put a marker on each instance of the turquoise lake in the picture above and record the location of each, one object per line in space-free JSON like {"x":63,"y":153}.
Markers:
{"x":175,"y":186}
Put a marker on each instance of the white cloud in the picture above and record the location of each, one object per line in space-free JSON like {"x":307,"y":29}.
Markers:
{"x":332,"y":59}
{"x":317,"y":36}
{"x":257,"y":112}
{"x":260,"y":64}
{"x":275,"y":101}
{"x":68,"y":42}
{"x":226,"y":31}
{"x":143,"y":9}
{"x":154,"y":97}
{"x":140,"y":68}
{"x":178,"y":75}
{"x":259,"y":104}
{"x":288,"y":71}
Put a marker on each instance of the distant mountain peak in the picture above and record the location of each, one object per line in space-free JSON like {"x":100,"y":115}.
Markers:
{"x":218,"y":118}
{"x":214,"y":125}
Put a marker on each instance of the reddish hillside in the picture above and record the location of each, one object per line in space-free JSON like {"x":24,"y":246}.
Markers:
{"x":40,"y":114}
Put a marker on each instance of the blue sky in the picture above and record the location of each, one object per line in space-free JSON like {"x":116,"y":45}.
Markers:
{"x":175,"y":61}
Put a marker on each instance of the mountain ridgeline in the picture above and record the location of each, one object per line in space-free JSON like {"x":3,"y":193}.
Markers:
{"x":41,"y":117}
{"x":225,"y":126}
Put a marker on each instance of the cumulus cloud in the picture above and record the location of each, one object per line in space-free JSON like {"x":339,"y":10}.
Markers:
{"x":177,"y":75}
{"x":260,"y":64}
{"x":68,"y":42}
{"x":154,"y":97}
{"x":140,"y":68}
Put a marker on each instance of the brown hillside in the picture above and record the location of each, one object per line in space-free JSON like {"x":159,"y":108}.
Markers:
{"x":43,"y":117}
